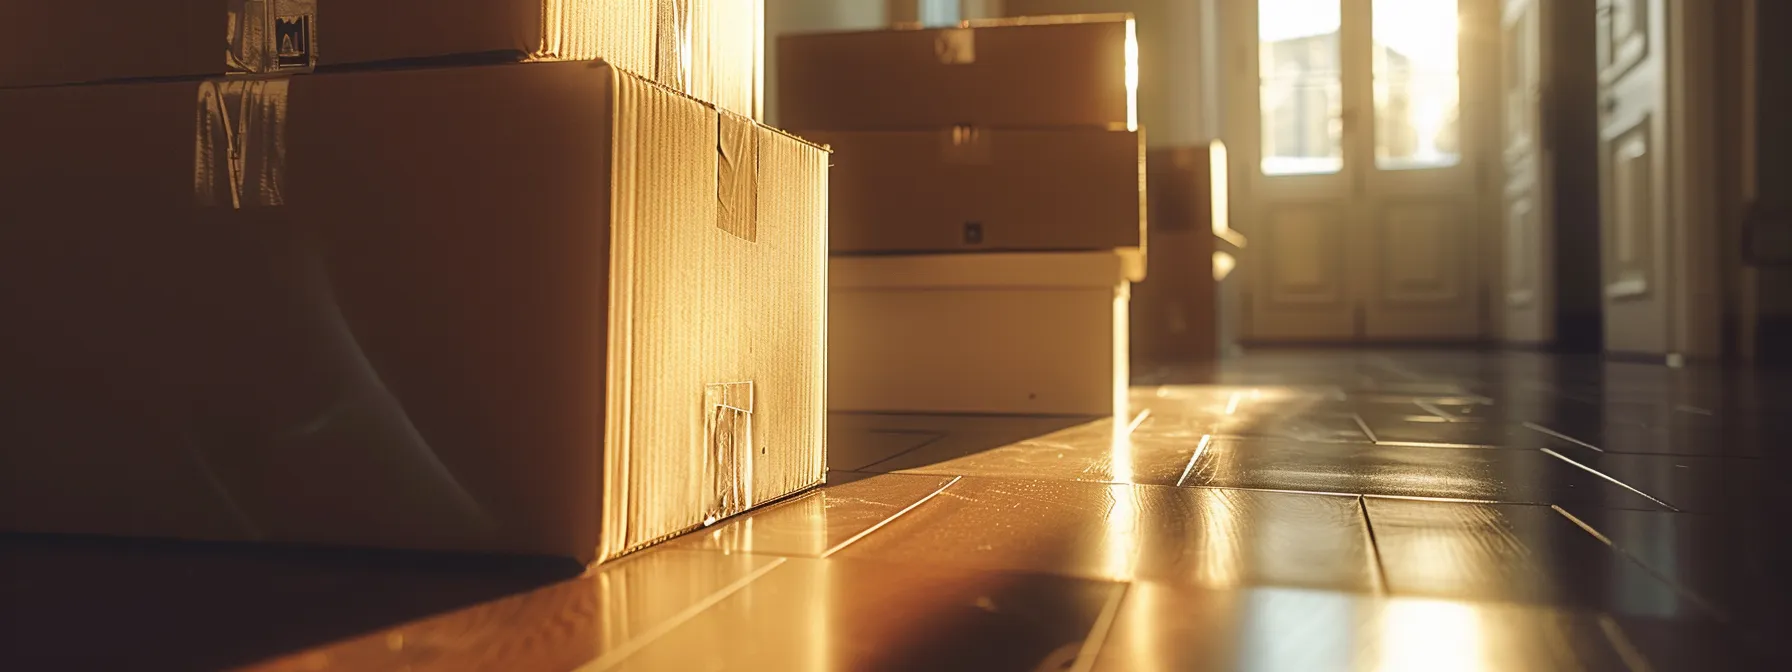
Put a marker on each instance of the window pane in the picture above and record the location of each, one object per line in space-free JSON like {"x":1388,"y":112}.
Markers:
{"x":1417,"y":89}
{"x":938,"y":13}
{"x":1301,"y":94}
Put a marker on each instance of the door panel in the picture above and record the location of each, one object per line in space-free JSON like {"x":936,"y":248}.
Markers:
{"x":1624,"y":28}
{"x":1631,"y":229}
{"x":1305,"y":267}
{"x":1420,"y":241}
{"x":1633,"y":171}
{"x":1522,"y":240}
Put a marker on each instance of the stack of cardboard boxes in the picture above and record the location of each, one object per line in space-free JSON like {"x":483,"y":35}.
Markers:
{"x":987,"y":210}
{"x":487,"y":275}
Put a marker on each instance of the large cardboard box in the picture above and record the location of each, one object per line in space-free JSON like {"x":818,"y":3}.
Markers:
{"x":983,"y":189}
{"x":540,"y":308}
{"x":711,"y":49}
{"x":1020,"y":333}
{"x":1028,"y":72}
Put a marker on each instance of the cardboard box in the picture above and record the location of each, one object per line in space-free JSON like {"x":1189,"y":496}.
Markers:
{"x":981,"y":189}
{"x":1028,"y":72}
{"x":540,"y":308}
{"x":1180,"y":312}
{"x":1020,"y":333}
{"x":1175,"y":311}
{"x":711,"y":49}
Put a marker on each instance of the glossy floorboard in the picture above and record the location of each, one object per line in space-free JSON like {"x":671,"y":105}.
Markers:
{"x":1285,"y":511}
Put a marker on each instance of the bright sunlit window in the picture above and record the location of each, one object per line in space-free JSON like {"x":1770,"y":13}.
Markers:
{"x":1301,"y":89}
{"x":1417,"y":85}
{"x":938,"y":13}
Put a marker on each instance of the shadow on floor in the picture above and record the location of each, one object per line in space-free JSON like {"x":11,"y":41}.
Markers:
{"x":884,"y":443}
{"x":103,"y":603}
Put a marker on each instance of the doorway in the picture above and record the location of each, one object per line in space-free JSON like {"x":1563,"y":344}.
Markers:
{"x":1362,"y":166}
{"x":1609,"y":214}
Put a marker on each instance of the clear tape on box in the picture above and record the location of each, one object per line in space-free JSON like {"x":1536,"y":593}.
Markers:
{"x":239,"y":156}
{"x":728,"y":440}
{"x":271,"y":36}
{"x":956,"y":46}
{"x":674,"y":64}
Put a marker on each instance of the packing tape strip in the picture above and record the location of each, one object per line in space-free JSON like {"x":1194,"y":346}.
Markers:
{"x":737,"y":176}
{"x":673,"y":68}
{"x":269,"y":36}
{"x":956,"y":46}
{"x":239,"y":148}
{"x":728,"y":442}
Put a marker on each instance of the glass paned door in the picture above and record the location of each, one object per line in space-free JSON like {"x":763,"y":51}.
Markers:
{"x":1363,"y":192}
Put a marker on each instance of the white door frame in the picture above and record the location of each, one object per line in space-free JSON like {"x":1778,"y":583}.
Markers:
{"x":1691,"y":296}
{"x":1526,"y":313}
{"x":1695,"y":308}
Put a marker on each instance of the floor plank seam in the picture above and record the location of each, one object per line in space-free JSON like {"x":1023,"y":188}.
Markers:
{"x":1680,"y":589}
{"x":1615,"y":481}
{"x":880,"y":524}
{"x":1381,"y":572}
{"x":1633,"y":659}
{"x":1431,"y":408}
{"x":1098,"y":632}
{"x":1550,"y":432}
{"x":635,"y":645}
{"x":935,"y":438}
{"x":1358,"y":417}
{"x":1206,"y":440}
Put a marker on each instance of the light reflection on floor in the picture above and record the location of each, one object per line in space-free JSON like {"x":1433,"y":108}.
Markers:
{"x":1247,"y":520}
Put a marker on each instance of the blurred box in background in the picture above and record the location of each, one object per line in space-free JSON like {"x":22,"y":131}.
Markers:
{"x":1060,"y":71}
{"x":1179,"y":312}
{"x":981,"y":189}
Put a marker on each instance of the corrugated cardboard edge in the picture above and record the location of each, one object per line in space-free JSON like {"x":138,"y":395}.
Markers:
{"x":578,"y":30}
{"x":613,"y":538}
{"x":614,"y":477}
{"x":818,"y":156}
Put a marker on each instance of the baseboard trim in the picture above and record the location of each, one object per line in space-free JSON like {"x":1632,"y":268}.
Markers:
{"x":1772,"y":333}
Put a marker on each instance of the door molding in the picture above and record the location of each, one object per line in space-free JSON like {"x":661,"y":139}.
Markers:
{"x":1695,"y":308}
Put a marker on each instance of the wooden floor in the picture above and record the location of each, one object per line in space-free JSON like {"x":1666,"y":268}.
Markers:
{"x":1288,"y":511}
